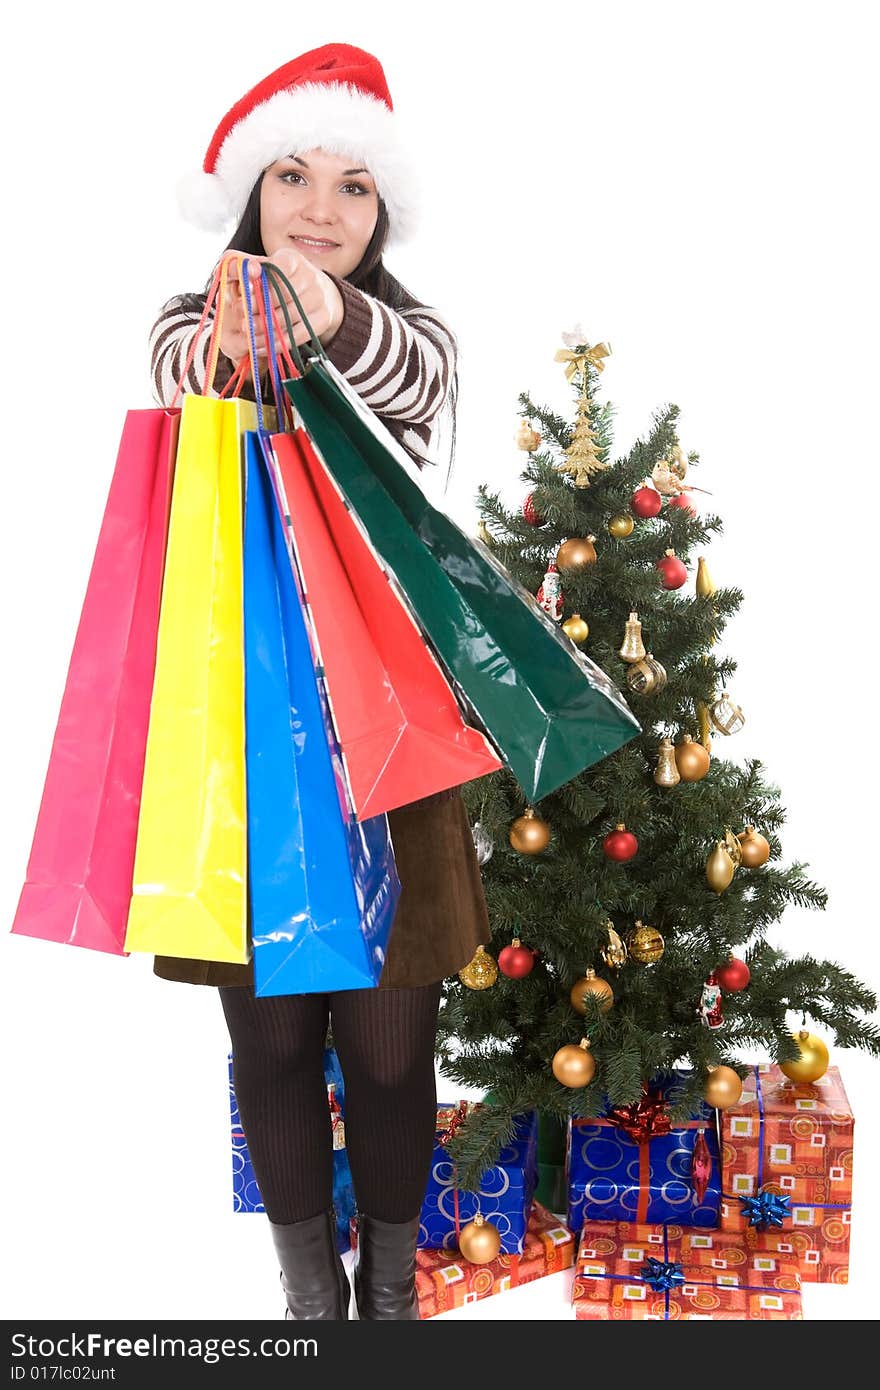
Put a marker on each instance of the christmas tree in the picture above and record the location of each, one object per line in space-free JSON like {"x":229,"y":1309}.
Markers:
{"x":630,"y":908}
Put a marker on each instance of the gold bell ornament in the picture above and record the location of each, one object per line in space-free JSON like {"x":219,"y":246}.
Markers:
{"x":481,"y":972}
{"x":813,"y":1061}
{"x":754,"y":847}
{"x":667,"y":773}
{"x":720,"y":868}
{"x":527,"y":438}
{"x":589,"y":983}
{"x":574,"y":1065}
{"x":529,"y":834}
{"x":576,"y":628}
{"x":633,"y":648}
{"x":727,"y":717}
{"x":575,"y":555}
{"x":621,"y":525}
{"x":646,"y":945}
{"x":479,"y":1241}
{"x":691,"y":759}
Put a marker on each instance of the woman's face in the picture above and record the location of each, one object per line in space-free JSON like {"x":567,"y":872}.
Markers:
{"x":321,"y":198}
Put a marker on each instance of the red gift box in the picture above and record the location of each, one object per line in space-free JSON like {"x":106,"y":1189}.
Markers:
{"x":794,"y":1141}
{"x":445,"y":1280}
{"x":626,"y":1271}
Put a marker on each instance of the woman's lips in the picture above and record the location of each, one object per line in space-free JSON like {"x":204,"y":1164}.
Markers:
{"x":316,"y":246}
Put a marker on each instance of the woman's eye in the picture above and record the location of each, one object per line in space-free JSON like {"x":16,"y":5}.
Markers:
{"x":295,"y":174}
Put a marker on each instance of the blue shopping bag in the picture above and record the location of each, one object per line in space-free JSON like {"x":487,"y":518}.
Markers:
{"x":323,"y":888}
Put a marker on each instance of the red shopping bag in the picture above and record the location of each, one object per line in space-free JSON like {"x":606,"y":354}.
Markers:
{"x":79,"y":873}
{"x":399,"y":726}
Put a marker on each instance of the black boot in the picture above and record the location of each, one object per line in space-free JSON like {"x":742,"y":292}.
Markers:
{"x":313,"y":1276}
{"x":385,"y":1269}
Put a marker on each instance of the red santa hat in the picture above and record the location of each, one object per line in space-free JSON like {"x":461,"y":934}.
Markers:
{"x":335,"y":97}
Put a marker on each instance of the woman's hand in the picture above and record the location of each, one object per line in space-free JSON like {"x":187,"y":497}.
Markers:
{"x":318,"y":295}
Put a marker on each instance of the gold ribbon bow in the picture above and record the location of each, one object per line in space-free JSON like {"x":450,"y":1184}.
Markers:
{"x":575,"y":360}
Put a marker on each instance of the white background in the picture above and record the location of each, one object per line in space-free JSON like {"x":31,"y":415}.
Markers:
{"x":692,"y":183}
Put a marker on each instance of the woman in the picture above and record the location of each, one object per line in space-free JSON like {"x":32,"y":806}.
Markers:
{"x":309,"y":163}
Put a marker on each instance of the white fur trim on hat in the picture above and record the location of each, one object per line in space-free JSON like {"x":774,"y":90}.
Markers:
{"x":331,"y":116}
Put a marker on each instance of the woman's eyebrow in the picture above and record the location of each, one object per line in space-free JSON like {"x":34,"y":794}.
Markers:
{"x":297,"y":160}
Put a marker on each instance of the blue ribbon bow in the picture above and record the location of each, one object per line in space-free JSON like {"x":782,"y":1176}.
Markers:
{"x":766,"y":1210}
{"x":661,"y":1275}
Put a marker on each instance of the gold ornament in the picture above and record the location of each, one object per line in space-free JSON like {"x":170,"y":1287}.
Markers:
{"x":576,"y":628}
{"x":527,"y":438}
{"x":589,"y":983}
{"x":573,"y":1065}
{"x":645,"y":943}
{"x":705,"y":726}
{"x":576,"y":554}
{"x":704,"y":584}
{"x":678,"y":462}
{"x":614,"y":953}
{"x":720,"y":868}
{"x":582,"y":454}
{"x":723,"y":1088}
{"x":660,"y":676}
{"x":479,"y":1241}
{"x":646,"y":677}
{"x":621,"y":525}
{"x":727,"y":717}
{"x":755,"y":848}
{"x":481,"y":972}
{"x":733,"y":847}
{"x":813,"y":1061}
{"x":691,"y":759}
{"x":633,"y":648}
{"x":484,"y":534}
{"x":667,"y":773}
{"x":529,"y":834}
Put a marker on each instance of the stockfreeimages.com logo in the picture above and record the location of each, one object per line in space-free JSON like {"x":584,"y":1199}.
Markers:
{"x":94,"y":1345}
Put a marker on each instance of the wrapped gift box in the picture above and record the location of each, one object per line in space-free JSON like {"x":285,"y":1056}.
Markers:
{"x":444,"y":1280}
{"x":641,"y":1173}
{"x":665,"y":1272}
{"x":505,"y":1192}
{"x":245,"y":1189}
{"x":792,"y":1143}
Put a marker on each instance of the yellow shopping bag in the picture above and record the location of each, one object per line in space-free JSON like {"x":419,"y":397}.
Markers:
{"x":189,"y":894}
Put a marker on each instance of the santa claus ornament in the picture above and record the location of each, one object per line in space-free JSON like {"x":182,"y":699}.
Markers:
{"x":550,"y":596}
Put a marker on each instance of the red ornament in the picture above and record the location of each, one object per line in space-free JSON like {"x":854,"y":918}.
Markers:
{"x":673,"y":572}
{"x":532,"y":517}
{"x":646,"y":501}
{"x":620,"y":844}
{"x":733,"y":975}
{"x":515,"y":960}
{"x":683,"y":501}
{"x":709,"y":1007}
{"x":701,"y":1166}
{"x":550,"y":595}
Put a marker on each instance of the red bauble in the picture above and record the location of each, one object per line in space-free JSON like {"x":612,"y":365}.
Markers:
{"x":515,"y":960}
{"x":532,"y":517}
{"x":682,"y":500}
{"x":646,"y":501}
{"x":620,"y":844}
{"x":673,"y":572}
{"x":733,"y":975}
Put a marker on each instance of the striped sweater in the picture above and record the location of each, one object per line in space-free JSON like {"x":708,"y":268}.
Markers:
{"x":400,"y":362}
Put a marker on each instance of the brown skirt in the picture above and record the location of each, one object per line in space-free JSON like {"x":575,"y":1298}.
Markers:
{"x":441,"y":917}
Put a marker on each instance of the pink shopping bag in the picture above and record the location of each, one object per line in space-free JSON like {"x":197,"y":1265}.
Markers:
{"x":79,"y":875}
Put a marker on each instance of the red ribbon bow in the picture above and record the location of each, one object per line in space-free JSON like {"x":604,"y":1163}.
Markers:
{"x":450,"y":1119}
{"x":643,"y":1121}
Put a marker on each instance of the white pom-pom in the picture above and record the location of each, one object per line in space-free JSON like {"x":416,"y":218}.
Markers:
{"x":203,"y":201}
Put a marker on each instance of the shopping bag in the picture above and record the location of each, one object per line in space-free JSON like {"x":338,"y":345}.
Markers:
{"x":549,"y":709}
{"x":79,"y":873}
{"x":400,"y":730}
{"x":323,"y":887}
{"x":189,"y":888}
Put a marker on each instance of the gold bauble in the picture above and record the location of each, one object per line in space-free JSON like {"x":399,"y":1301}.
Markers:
{"x":691,"y":759}
{"x":529,"y":834}
{"x":813,"y":1061}
{"x":727,"y":717}
{"x":666,"y":773}
{"x":527,"y":438}
{"x":723,"y":1088}
{"x":576,"y":554}
{"x":589,"y":983}
{"x":632,"y":648}
{"x":484,"y":534}
{"x":720,"y":868}
{"x":576,"y":628}
{"x":479,"y":1241}
{"x":573,"y":1065}
{"x":621,"y":525}
{"x":645,"y":943}
{"x":614,"y":952}
{"x":642,"y":677}
{"x":481,"y":972}
{"x":755,"y":849}
{"x":660,"y":676}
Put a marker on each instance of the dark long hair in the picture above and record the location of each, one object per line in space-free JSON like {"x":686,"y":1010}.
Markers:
{"x":370,"y":275}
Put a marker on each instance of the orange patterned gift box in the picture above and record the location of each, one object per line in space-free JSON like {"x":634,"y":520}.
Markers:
{"x":445,"y":1280}
{"x":794,"y":1142}
{"x":668,"y":1273}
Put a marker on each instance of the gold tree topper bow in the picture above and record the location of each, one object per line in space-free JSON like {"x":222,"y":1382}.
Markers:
{"x":575,"y":361}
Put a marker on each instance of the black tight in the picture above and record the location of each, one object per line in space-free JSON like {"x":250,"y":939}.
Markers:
{"x":384,"y":1039}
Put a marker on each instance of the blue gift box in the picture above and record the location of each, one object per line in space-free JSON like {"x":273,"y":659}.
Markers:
{"x":613,"y":1177}
{"x":245,"y":1190}
{"x":504,"y":1197}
